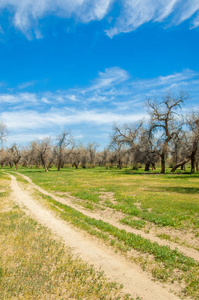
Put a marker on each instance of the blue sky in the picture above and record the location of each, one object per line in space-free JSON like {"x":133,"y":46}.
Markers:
{"x":84,"y":64}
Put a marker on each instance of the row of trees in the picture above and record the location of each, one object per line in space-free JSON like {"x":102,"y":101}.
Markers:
{"x":167,"y":135}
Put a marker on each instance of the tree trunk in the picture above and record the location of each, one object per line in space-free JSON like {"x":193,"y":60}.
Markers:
{"x":180,"y":164}
{"x":197,"y":166}
{"x":153,"y":166}
{"x":76,"y":165}
{"x":147,"y":165}
{"x":120,"y":164}
{"x":192,"y":163}
{"x":162,"y":163}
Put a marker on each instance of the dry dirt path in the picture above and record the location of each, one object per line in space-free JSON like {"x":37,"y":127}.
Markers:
{"x":110,"y":218}
{"x":135,"y":281}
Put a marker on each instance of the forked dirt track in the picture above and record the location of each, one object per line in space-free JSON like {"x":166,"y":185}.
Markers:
{"x":135,"y":281}
{"x":109,"y":218}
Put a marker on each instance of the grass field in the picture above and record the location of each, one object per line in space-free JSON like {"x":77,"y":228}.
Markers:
{"x":165,"y":200}
{"x":167,"y":205}
{"x":35,"y":265}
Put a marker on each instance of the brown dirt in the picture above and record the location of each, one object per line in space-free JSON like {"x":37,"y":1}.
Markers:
{"x":111,"y":216}
{"x":117,"y":268}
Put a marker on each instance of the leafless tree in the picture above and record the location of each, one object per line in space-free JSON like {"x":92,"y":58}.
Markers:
{"x":63,"y":140}
{"x":126,"y":135}
{"x":191,"y":144}
{"x":145,"y":151}
{"x":75,"y":156}
{"x":163,"y":122}
{"x":91,"y":148}
{"x":15,"y":155}
{"x":45,"y":152}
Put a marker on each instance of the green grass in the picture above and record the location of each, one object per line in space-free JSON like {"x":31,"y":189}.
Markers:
{"x":166,"y":261}
{"x":166,"y":200}
{"x":34,"y":265}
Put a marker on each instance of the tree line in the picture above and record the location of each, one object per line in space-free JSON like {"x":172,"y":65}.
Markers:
{"x":167,"y":135}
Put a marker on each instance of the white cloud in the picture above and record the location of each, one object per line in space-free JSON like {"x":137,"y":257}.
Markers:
{"x":27,"y":12}
{"x":27,"y":120}
{"x":24,"y":85}
{"x":165,"y":81}
{"x":134,"y":13}
{"x":18,"y":98}
{"x":112,"y":97}
{"x":109,"y":78}
{"x":187,"y":9}
{"x":138,"y":12}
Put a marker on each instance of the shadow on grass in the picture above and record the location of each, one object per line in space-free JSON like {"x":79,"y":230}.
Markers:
{"x":176,"y":189}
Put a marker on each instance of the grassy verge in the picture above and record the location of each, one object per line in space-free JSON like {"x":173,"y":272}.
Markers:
{"x":167,"y":265}
{"x":33,"y":265}
{"x":165,"y":200}
{"x":168,"y":200}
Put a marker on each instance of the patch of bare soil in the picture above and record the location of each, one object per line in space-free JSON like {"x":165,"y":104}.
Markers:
{"x":180,"y":236}
{"x":104,"y":196}
{"x":135,"y":281}
{"x":111,"y":216}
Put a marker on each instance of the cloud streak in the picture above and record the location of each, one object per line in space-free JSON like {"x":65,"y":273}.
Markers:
{"x":112,"y":97}
{"x":26,"y":14}
{"x":138,"y":12}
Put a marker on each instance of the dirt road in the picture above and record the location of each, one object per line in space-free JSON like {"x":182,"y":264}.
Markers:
{"x":135,"y":281}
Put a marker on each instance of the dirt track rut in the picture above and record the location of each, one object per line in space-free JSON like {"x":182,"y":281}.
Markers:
{"x":135,"y":281}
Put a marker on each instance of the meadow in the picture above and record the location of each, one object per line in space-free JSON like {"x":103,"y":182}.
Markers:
{"x":36,"y":265}
{"x":165,"y":206}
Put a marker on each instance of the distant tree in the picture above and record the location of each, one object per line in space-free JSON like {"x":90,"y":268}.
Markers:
{"x":15,"y":156}
{"x":3,"y":156}
{"x":83,"y":156}
{"x":126,"y":135}
{"x":191,"y":142}
{"x":45,"y":153}
{"x":91,"y":149}
{"x":63,"y":140}
{"x":145,"y":152}
{"x":163,"y":122}
{"x":75,"y":156}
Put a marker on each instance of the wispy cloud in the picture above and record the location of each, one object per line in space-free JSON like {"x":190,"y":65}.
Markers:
{"x":110,"y":78}
{"x":32,"y":119}
{"x":24,"y":85}
{"x":26,"y":14}
{"x":138,"y":12}
{"x":111,"y":86}
{"x":111,"y":97}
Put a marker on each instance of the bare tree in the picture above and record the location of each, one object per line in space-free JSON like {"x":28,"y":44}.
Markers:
{"x":119,"y":151}
{"x":45,"y":152}
{"x":145,"y":151}
{"x":126,"y":135}
{"x":15,"y":155}
{"x":162,"y":119}
{"x":84,"y":156}
{"x":91,"y":148}
{"x":63,"y":140}
{"x":191,"y":144}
